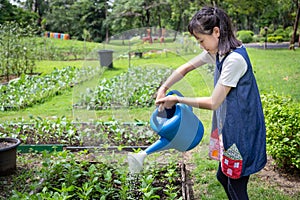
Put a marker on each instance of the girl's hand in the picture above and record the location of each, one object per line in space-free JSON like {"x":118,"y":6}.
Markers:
{"x":166,"y":102}
{"x":161,"y":93}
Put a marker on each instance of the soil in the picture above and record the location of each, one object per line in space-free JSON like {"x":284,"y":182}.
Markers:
{"x":286,"y":182}
{"x":5,"y":144}
{"x":3,"y":79}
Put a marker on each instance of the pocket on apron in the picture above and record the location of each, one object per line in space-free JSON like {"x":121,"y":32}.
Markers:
{"x":232,"y":162}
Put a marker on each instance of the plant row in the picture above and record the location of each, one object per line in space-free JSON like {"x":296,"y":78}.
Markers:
{"x":29,"y":90}
{"x":49,"y":49}
{"x":63,"y":131}
{"x":63,"y":175}
{"x":135,"y":88}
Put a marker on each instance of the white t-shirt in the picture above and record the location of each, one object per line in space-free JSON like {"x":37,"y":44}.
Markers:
{"x":234,"y":67}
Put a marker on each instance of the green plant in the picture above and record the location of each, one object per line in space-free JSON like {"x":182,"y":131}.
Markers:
{"x":273,"y":39}
{"x":29,"y":90}
{"x":284,"y":33}
{"x":66,"y":175}
{"x":282,"y":117}
{"x":245,"y":36}
{"x":147,"y":188}
{"x":17,"y":49}
{"x":133,"y":88}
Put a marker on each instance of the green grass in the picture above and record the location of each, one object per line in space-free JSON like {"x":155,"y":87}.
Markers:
{"x":277,"y":70}
{"x":46,"y":67}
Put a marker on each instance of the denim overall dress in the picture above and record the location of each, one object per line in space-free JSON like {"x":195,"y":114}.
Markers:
{"x":238,"y":138}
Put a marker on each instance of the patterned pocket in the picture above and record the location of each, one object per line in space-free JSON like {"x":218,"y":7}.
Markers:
{"x":232,"y":162}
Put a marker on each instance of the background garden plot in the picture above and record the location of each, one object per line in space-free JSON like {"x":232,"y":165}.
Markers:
{"x":135,"y":88}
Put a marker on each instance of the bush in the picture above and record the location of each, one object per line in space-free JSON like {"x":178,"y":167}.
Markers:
{"x":258,"y":38}
{"x":282,"y":117}
{"x":275,"y":39}
{"x":245,"y":36}
{"x":278,"y":35}
{"x":283,"y":33}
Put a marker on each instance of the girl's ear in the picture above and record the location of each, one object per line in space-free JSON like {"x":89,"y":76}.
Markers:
{"x":216,"y":31}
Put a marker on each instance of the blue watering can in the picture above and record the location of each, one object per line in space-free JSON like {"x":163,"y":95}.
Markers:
{"x":179,"y":128}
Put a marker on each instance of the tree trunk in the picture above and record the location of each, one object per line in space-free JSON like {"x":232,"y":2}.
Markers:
{"x":292,"y":42}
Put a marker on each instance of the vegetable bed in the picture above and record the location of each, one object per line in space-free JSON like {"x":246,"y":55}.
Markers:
{"x":96,"y":175}
{"x":64,"y":131}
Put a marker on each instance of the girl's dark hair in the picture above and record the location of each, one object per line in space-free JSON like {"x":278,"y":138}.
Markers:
{"x":206,"y":19}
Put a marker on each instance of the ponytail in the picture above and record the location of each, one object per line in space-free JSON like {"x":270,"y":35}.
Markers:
{"x":206,"y":19}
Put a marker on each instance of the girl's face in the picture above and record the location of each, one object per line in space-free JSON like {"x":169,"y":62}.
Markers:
{"x":209,"y":42}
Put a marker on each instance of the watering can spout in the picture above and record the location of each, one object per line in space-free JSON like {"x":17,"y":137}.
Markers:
{"x":136,"y":161}
{"x":179,"y":128}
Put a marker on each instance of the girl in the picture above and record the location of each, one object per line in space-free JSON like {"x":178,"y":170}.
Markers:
{"x":238,"y":138}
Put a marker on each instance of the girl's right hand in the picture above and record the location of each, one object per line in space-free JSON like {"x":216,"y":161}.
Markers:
{"x":161,"y":93}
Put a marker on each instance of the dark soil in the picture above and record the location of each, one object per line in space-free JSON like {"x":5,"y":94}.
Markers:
{"x":5,"y":144}
{"x":3,"y":79}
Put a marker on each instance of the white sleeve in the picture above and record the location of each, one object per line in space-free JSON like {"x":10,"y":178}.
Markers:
{"x":203,"y":58}
{"x":208,"y":58}
{"x":234,"y":67}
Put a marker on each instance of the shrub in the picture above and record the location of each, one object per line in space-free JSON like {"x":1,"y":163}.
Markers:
{"x":284,"y":33}
{"x":282,"y":117}
{"x":258,"y":38}
{"x":275,"y":38}
{"x":245,"y":36}
{"x":270,"y":30}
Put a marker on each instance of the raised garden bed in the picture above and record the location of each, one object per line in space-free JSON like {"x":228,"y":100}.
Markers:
{"x":95,"y":175}
{"x":91,"y":160}
{"x":64,"y":132}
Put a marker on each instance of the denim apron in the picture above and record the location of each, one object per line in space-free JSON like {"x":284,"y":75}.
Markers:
{"x":238,"y":137}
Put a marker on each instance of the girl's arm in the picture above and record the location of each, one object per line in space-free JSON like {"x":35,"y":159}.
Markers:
{"x":212,"y":103}
{"x":181,"y":71}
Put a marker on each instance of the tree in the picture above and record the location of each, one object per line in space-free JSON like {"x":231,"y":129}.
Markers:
{"x":6,"y":11}
{"x":40,"y":7}
{"x":92,"y":15}
{"x":17,"y":49}
{"x":9,"y":12}
{"x":292,"y":42}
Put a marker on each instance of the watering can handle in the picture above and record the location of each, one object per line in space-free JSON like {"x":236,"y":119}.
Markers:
{"x":175,"y":92}
{"x":180,"y":95}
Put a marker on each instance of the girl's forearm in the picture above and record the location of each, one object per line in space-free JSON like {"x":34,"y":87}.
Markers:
{"x":211,"y":103}
{"x":197,"y":102}
{"x":181,"y":71}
